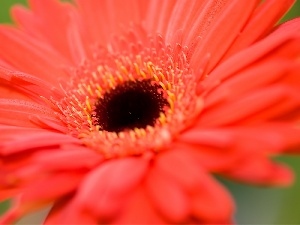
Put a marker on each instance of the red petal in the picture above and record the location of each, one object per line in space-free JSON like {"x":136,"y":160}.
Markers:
{"x":261,"y":22}
{"x":51,"y":187}
{"x":65,"y":211}
{"x":258,"y":170}
{"x":249,"y":79}
{"x":139,"y":211}
{"x":9,"y":132}
{"x":168,"y":197}
{"x":105,"y":189}
{"x":18,"y":112}
{"x":33,"y":140}
{"x":280,"y":45}
{"x":75,"y":157}
{"x":46,"y":61}
{"x":158,"y":15}
{"x":26,"y":84}
{"x":100,"y":24}
{"x":41,"y":192}
{"x":217,"y":138}
{"x":246,"y":106}
{"x":182,"y":17}
{"x":40,"y":23}
{"x":188,"y":177}
{"x":212,"y":203}
{"x":220,"y":26}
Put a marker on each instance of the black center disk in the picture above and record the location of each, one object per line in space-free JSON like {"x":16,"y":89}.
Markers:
{"x":130,"y":105}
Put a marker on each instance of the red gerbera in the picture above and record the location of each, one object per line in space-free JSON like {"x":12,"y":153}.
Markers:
{"x":117,"y":112}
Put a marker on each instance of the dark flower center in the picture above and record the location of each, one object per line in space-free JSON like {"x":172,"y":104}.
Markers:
{"x":132,"y":104}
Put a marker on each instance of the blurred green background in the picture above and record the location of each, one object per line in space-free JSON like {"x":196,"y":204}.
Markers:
{"x":255,"y":205}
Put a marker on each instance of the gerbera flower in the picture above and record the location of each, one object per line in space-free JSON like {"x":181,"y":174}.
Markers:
{"x":118,"y":112}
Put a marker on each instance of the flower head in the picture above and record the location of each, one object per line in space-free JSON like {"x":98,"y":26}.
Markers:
{"x":119,"y":113}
